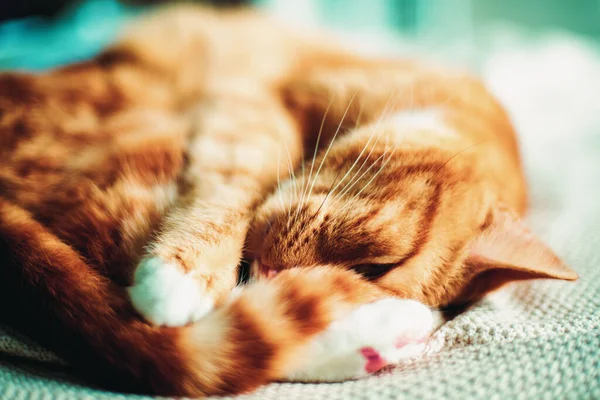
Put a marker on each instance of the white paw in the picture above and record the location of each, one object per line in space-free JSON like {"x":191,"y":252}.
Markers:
{"x":164,"y":295}
{"x":371,"y":337}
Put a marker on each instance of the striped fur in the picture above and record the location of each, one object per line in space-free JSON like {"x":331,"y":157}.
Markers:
{"x":177,"y":144}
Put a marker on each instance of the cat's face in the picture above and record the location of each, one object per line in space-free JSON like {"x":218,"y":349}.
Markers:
{"x":409,"y":221}
{"x":401,"y":222}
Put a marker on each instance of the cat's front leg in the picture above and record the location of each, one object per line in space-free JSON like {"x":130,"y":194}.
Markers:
{"x":191,"y":267}
{"x":242,"y":144}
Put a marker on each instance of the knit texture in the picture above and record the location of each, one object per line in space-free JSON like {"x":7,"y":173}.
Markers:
{"x":531,"y":340}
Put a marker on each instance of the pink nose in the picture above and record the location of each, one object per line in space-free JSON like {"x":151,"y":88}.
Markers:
{"x":267,"y":270}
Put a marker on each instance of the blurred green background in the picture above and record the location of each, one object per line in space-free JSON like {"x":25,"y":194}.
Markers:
{"x":40,"y":34}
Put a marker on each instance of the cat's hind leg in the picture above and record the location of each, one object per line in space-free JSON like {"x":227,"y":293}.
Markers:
{"x":319,"y":324}
{"x":371,"y":337}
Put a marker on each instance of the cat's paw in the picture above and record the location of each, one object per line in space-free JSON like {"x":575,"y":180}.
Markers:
{"x":165,"y":295}
{"x":371,"y":337}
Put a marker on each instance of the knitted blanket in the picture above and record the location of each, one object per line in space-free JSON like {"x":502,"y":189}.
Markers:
{"x":531,"y":340}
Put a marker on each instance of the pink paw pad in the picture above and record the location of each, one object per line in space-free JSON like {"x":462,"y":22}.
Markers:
{"x":374,"y":360}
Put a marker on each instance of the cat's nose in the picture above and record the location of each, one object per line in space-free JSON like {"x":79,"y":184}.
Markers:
{"x":271,"y":273}
{"x":267,"y":270}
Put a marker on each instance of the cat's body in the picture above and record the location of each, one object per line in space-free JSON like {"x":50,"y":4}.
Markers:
{"x":163,"y":152}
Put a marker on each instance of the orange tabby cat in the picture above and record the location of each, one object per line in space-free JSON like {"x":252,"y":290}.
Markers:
{"x":163,"y":151}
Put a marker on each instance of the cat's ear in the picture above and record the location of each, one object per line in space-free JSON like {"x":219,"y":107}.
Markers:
{"x":506,"y":251}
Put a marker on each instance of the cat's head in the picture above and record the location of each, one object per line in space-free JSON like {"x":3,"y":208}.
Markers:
{"x":413,"y":223}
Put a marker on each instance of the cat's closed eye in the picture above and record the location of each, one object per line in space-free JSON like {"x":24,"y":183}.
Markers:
{"x":373,"y":271}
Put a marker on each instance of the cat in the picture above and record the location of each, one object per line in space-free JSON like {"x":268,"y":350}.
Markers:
{"x":362,"y":191}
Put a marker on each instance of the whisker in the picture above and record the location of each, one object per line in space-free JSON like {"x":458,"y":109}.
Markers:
{"x":331,"y":188}
{"x":390,"y":157}
{"x":374,"y":131}
{"x":302,"y":164}
{"x":279,"y":179}
{"x":312,"y":164}
{"x":302,"y":186}
{"x":356,"y":178}
{"x":269,"y":223}
{"x":347,"y":189}
{"x":291,"y":173}
{"x":375,"y":175}
{"x":328,"y":192}
{"x":359,"y":116}
{"x":332,"y":141}
{"x":457,"y":154}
